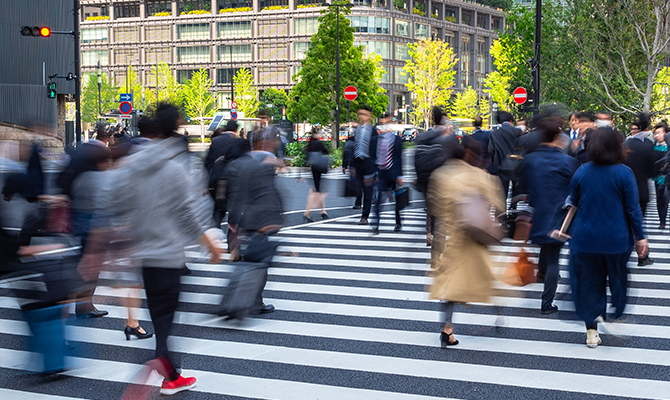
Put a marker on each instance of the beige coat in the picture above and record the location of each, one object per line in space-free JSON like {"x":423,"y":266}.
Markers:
{"x":463,"y":272}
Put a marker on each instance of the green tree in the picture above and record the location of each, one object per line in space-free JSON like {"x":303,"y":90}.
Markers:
{"x":316,"y":80}
{"x":169,"y":90}
{"x":198,"y":100}
{"x":274,"y":101}
{"x":497,"y":86}
{"x":431,"y":75}
{"x":89,"y":97}
{"x":246,"y":92}
{"x":468,"y":105}
{"x":136,"y":88}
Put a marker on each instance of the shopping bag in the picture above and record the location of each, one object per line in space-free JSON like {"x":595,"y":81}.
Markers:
{"x":521,"y":272}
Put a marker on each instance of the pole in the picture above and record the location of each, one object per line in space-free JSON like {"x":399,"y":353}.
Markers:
{"x":156,"y":74}
{"x":232,"y":88}
{"x":348,"y":119}
{"x":99,"y":88}
{"x":77,"y":71}
{"x":536,"y":62}
{"x":336,"y":141}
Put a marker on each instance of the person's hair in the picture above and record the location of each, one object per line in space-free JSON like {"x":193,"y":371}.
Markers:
{"x":549,"y":127}
{"x":504,"y":116}
{"x":643,"y":121}
{"x":102,"y":132}
{"x":365,"y":107}
{"x":607,"y":113}
{"x":231,"y":126}
{"x":167,"y":116}
{"x":573,"y":114}
{"x":635,"y":124}
{"x":585,"y":117}
{"x":662,"y":125}
{"x":477,"y":122}
{"x":469,"y":150}
{"x":606,"y":147}
{"x":270,"y":133}
{"x":436,"y":115}
{"x":149,"y":128}
{"x":218,"y":132}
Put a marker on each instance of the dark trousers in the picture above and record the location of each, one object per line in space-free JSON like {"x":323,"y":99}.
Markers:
{"x":548,"y":266}
{"x":162,"y":287}
{"x":384,"y":186}
{"x":505,"y":186}
{"x":589,"y":273}
{"x":662,"y":203}
{"x":220,"y":210}
{"x":365,"y":170}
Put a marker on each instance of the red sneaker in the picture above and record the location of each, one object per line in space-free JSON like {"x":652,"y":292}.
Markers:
{"x":179,"y":385}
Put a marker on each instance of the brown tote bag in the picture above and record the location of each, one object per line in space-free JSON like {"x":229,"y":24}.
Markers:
{"x":476,"y":220}
{"x":521,"y":272}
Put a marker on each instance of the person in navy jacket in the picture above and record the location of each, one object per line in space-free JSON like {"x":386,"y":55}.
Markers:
{"x":386,"y":152}
{"x":606,"y":228}
{"x":546,"y":179}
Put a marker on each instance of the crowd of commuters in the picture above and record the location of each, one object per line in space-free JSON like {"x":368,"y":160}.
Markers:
{"x":136,"y":202}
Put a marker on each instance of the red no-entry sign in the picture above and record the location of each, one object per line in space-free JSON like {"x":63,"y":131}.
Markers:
{"x":520,"y":95}
{"x":350,"y":93}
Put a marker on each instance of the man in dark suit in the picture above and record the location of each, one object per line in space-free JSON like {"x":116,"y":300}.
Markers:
{"x":503,"y":143}
{"x":386,"y":151}
{"x":482,"y":136}
{"x":221,"y":144}
{"x":641,"y":161}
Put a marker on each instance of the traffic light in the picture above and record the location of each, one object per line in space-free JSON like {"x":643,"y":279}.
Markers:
{"x":51,"y":91}
{"x":40,"y":31}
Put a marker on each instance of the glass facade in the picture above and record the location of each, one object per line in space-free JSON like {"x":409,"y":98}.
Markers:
{"x":369,"y":3}
{"x":224,"y":4}
{"x":193,"y":31}
{"x":225,"y":75}
{"x":400,"y":77}
{"x":272,"y":3}
{"x":371,"y":47}
{"x":157,"y":33}
{"x":305,"y":26}
{"x":401,"y":52}
{"x":269,"y":75}
{"x":421,"y":31}
{"x":184,"y":75}
{"x":126,"y":34}
{"x":386,"y":78}
{"x":273,"y":27}
{"x":154,"y":7}
{"x":97,"y":35}
{"x":158,"y":55}
{"x":197,"y":54}
{"x":300,"y":50}
{"x":91,"y":57}
{"x":403,"y":28}
{"x":127,"y":10}
{"x":273,"y":51}
{"x":234,"y":29}
{"x":371,"y":24}
{"x":236,"y":52}
{"x":465,"y":61}
{"x":126,"y":56}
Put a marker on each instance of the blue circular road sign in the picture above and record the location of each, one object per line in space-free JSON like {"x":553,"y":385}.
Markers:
{"x":233,"y":115}
{"x":125,"y":107}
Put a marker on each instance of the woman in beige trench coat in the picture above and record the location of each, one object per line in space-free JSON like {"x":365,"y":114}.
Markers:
{"x":463,"y":272}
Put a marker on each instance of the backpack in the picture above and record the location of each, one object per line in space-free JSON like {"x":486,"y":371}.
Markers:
{"x":509,"y":159}
{"x":217,"y":180}
{"x":431,"y":152}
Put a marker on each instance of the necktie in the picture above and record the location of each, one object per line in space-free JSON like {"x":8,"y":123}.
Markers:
{"x":386,"y":152}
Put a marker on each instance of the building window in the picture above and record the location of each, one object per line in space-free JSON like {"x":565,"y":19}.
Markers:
{"x":125,"y":34}
{"x":466,"y":17}
{"x":127,"y":10}
{"x":268,"y":75}
{"x":196,"y":54}
{"x":401,"y":52}
{"x":91,"y":57}
{"x":157,"y":33}
{"x":272,"y":51}
{"x":186,"y":6}
{"x":237,"y":52}
{"x":371,"y":47}
{"x":300,"y":50}
{"x":436,"y":11}
{"x":419,"y":8}
{"x":496,"y":24}
{"x":481,"y":56}
{"x":403,"y":28}
{"x":184,"y":75}
{"x":91,"y":12}
{"x":308,"y":2}
{"x":371,"y":24}
{"x":225,"y":75}
{"x":449,"y":39}
{"x":225,"y":4}
{"x":386,"y":78}
{"x":126,"y":56}
{"x":193,"y":31}
{"x":450,"y":14}
{"x":465,"y":60}
{"x":234,"y":29}
{"x":273,"y":3}
{"x":400,"y":5}
{"x":158,"y":6}
{"x":305,"y":26}
{"x":369,"y":3}
{"x":273,"y":27}
{"x":421,"y":31}
{"x":97,"y":35}
{"x":400,"y":76}
{"x":482,"y":21}
{"x":158,"y":55}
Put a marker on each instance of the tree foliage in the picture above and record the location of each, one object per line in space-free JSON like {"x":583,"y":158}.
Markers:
{"x":166,"y":87}
{"x":89,"y":97}
{"x":136,"y":88}
{"x":198,"y":100}
{"x":431,"y":75}
{"x":468,"y":104}
{"x":315,"y":91}
{"x":246,"y":92}
{"x":504,"y":4}
{"x":274,"y":100}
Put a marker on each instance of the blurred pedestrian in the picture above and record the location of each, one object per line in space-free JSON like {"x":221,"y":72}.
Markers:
{"x":660,"y":179}
{"x":315,"y":150}
{"x":606,"y":227}
{"x":386,"y":151}
{"x":502,"y":148}
{"x":463,"y":272}
{"x":482,"y":136}
{"x":546,"y":179}
{"x":216,"y":162}
{"x":347,"y":162}
{"x":363,"y":164}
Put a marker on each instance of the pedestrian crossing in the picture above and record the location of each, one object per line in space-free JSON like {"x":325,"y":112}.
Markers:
{"x":353,"y":321}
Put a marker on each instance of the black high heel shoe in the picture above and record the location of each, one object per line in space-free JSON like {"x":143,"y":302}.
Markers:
{"x":444,"y":339}
{"x":306,"y":219}
{"x":136,"y":332}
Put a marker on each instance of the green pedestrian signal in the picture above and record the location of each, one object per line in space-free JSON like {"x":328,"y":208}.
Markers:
{"x":51,"y":92}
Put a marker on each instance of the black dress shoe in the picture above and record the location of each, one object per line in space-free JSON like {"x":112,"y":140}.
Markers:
{"x":136,"y":332}
{"x":550,"y":310}
{"x":397,"y":228}
{"x":356,"y":207}
{"x":267,"y":309}
{"x":306,"y":219}
{"x":93,"y":314}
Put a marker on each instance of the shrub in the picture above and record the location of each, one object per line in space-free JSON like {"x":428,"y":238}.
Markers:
{"x":197,"y":139}
{"x":419,"y":12}
{"x":407,"y":145}
{"x":162,"y":14}
{"x":450,"y":18}
{"x":98,"y":18}
{"x":309,"y":5}
{"x":194,"y":12}
{"x":295,"y":151}
{"x":274,"y":8}
{"x":232,"y":10}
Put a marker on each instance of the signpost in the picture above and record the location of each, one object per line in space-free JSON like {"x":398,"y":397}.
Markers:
{"x":520,"y":95}
{"x":350,"y":93}
{"x":125,"y":107}
{"x":126,"y":97}
{"x":233,"y":115}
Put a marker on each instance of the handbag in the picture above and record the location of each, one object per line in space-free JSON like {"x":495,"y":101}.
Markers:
{"x":401,"y":198}
{"x":353,"y":187}
{"x":521,"y":272}
{"x":475,"y":219}
{"x":318,"y":161}
{"x":258,"y":249}
{"x":522,"y":226}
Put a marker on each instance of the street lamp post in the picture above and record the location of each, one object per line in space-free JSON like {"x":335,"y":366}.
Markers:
{"x":336,"y":141}
{"x":99,"y":88}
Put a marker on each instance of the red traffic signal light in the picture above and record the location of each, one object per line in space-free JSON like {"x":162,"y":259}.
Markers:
{"x":36,"y":31}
